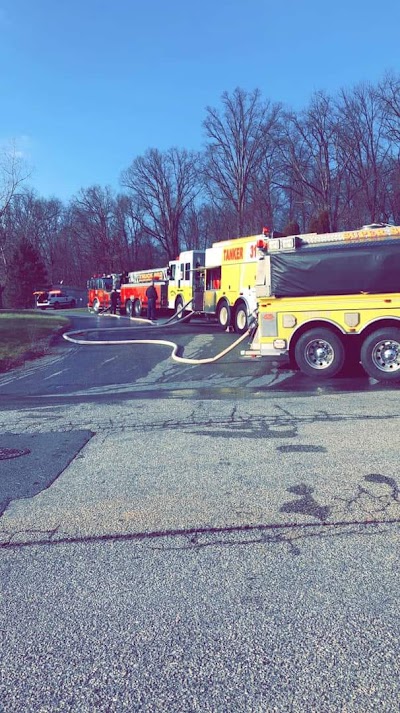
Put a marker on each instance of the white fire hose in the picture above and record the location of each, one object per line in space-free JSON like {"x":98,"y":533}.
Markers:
{"x":75,"y":339}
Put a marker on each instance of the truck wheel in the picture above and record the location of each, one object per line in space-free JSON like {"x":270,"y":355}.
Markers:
{"x":319,"y":353}
{"x":241,"y":321}
{"x":56,"y":305}
{"x":96,"y":306}
{"x":224,"y":314}
{"x":73,"y":303}
{"x":137,"y":308}
{"x":129,"y":308}
{"x":380,"y":354}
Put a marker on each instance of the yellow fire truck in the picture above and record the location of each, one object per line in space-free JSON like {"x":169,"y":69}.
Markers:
{"x":230,"y":279}
{"x":185,"y":281}
{"x":220,"y":281}
{"x":326,"y":299}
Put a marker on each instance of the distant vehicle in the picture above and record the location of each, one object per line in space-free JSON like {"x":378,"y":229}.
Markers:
{"x":54,"y":299}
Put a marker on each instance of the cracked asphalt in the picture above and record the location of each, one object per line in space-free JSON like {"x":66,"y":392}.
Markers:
{"x":205,"y":552}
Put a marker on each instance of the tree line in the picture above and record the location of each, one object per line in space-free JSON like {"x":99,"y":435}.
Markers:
{"x":333,"y":165}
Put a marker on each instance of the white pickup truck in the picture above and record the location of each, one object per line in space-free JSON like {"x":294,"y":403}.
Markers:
{"x":54,"y":299}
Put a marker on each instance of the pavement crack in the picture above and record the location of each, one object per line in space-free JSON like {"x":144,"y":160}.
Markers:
{"x":369,"y":502}
{"x":192,"y":538}
{"x":197,"y":418}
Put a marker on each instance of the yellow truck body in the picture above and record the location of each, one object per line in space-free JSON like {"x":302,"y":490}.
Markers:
{"x":218,"y":282}
{"x":230,"y":281}
{"x":322,"y":332}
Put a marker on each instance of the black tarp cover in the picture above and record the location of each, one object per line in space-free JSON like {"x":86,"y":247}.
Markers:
{"x":337,"y":270}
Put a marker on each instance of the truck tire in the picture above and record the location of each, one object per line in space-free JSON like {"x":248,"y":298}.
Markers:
{"x":320,"y":353}
{"x":73,"y":303}
{"x":380,"y":354}
{"x":128,"y":308}
{"x":137,"y":308}
{"x":96,"y":305}
{"x":224,"y":314}
{"x":56,"y":305}
{"x":241,"y":320}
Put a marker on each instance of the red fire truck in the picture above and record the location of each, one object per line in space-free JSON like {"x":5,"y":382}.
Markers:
{"x":99,"y":291}
{"x":133,"y":298}
{"x":176,"y":285}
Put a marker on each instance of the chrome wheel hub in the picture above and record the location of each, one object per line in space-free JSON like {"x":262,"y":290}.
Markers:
{"x":386,"y":355}
{"x":319,"y":354}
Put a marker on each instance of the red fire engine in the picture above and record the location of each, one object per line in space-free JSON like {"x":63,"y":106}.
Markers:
{"x":99,"y":291}
{"x":133,"y":298}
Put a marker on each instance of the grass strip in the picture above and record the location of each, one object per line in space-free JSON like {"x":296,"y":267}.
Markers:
{"x":27,"y":335}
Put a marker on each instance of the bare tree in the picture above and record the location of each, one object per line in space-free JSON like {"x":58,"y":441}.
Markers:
{"x":37,"y":220}
{"x":164,"y":186}
{"x":268,"y":206}
{"x":366,"y":153}
{"x":237,"y":142}
{"x":213,"y":225}
{"x":52,"y":221}
{"x":312,"y":172}
{"x":13,"y":172}
{"x":389,"y":96}
{"x":72,"y":256}
{"x":135,"y":247}
{"x":91,"y":215}
{"x":196,"y":229}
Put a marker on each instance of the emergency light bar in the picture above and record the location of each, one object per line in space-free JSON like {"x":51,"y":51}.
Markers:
{"x":289,"y":243}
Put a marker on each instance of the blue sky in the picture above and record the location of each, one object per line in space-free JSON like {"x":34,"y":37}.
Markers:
{"x":86,"y":86}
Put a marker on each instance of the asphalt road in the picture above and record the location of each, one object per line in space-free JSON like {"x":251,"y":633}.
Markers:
{"x":218,"y":537}
{"x":82,"y":373}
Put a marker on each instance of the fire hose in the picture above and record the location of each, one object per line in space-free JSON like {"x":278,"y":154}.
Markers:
{"x":75,"y":339}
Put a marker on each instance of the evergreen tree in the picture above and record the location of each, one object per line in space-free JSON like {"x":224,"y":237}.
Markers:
{"x":27,"y":273}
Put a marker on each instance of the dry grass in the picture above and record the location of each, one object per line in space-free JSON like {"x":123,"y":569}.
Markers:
{"x":26,"y":335}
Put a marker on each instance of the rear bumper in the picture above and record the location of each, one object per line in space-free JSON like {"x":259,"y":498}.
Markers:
{"x":261,"y":350}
